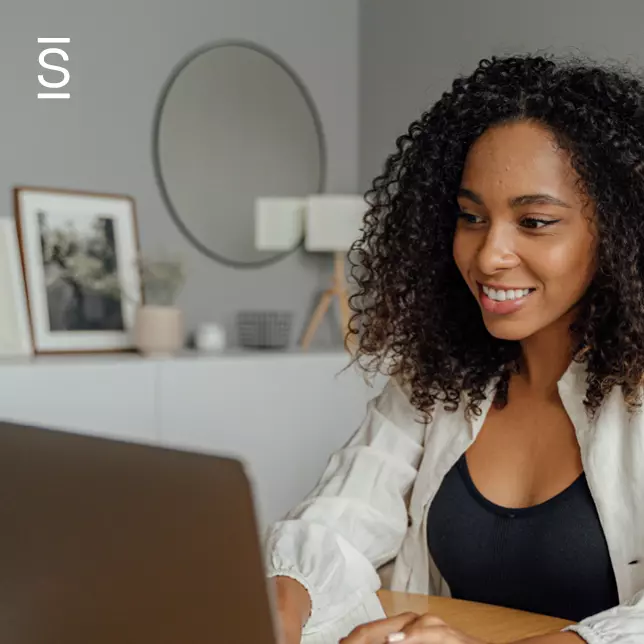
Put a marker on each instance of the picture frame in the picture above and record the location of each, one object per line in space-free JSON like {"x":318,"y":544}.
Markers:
{"x":15,"y":338}
{"x":79,"y":253}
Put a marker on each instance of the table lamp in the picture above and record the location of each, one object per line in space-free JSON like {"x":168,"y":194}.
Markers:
{"x":329,"y":224}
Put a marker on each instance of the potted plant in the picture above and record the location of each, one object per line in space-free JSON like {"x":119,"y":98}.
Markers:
{"x":159,"y":325}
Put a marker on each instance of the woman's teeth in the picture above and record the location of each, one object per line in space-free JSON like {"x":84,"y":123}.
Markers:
{"x":502,"y":296}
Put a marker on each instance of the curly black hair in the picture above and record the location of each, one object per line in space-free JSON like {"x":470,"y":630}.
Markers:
{"x":413,"y":310}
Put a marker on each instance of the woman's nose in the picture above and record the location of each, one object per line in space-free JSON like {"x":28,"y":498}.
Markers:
{"x":497,"y":252}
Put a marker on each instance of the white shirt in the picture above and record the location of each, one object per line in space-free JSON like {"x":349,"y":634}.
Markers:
{"x":372,"y":502}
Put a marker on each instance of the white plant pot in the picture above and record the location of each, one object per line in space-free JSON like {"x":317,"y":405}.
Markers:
{"x":158,"y":330}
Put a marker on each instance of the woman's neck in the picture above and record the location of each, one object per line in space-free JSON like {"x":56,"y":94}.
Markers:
{"x":546,"y":355}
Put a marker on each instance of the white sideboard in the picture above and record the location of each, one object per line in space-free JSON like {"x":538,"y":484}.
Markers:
{"x":282,"y":413}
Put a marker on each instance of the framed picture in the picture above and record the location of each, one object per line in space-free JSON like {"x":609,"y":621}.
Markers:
{"x":15,"y":339}
{"x":79,"y":253}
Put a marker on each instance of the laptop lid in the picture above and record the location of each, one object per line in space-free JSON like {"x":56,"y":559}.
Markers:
{"x":109,"y":542}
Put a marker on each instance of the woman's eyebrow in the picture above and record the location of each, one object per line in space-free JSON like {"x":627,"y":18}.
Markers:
{"x":541,"y":199}
{"x":538,"y":199}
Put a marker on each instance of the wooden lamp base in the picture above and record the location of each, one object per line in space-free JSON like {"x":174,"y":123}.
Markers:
{"x":338,"y":290}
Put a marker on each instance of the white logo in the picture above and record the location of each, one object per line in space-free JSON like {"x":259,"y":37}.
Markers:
{"x":57,"y":68}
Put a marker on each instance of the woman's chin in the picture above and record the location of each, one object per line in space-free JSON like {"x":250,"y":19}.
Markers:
{"x":506,"y":330}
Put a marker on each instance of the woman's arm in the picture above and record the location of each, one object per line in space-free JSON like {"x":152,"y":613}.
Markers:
{"x":293,"y":608}
{"x":555,"y":638}
{"x":355,"y":519}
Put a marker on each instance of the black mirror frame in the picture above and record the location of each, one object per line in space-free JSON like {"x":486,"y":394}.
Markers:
{"x":183,"y":228}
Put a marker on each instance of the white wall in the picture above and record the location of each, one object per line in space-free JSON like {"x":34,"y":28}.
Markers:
{"x":412,"y":49}
{"x":120,"y":55}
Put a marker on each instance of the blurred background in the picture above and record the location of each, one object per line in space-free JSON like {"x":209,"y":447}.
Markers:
{"x":369,"y":67}
{"x":210,"y":163}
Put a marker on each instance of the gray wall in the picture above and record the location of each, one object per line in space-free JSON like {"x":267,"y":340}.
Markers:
{"x":100,"y":139}
{"x":412,"y":49}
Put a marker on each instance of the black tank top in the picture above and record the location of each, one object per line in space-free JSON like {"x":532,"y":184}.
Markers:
{"x":551,"y":558}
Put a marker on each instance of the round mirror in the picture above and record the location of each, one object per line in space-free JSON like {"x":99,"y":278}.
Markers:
{"x":234,"y":123}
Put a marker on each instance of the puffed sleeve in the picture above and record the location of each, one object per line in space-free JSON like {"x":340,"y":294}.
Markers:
{"x":354,"y":520}
{"x":623,"y":624}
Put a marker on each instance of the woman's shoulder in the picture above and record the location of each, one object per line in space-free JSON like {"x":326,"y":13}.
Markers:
{"x":395,"y":403}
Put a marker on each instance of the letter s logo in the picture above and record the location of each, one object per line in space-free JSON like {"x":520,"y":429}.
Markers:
{"x":43,"y":63}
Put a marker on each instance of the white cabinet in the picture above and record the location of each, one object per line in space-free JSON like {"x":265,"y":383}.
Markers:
{"x":108,"y":396}
{"x":282,"y":413}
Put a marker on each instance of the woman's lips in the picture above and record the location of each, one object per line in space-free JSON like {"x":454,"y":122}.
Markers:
{"x":505,"y":307}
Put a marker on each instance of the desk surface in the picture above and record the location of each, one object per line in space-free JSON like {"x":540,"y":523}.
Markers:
{"x":489,"y":623}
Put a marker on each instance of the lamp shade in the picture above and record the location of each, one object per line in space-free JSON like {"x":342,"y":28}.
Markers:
{"x":333,"y":222}
{"x":279,"y":222}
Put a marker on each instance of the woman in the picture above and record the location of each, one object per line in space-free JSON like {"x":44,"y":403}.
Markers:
{"x":501,"y":280}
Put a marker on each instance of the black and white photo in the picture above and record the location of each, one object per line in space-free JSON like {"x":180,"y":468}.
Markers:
{"x":80,"y":265}
{"x":79,"y":253}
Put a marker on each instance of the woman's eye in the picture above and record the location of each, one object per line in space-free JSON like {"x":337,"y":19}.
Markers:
{"x":535,"y":222}
{"x":469,"y":218}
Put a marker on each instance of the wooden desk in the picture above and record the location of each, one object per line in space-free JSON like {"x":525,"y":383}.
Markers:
{"x":489,"y":623}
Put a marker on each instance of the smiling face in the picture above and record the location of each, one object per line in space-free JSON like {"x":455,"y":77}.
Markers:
{"x":524,"y":242}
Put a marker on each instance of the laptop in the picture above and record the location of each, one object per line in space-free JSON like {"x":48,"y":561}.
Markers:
{"x":109,"y":542}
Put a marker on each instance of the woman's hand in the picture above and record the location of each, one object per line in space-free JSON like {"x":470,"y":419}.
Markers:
{"x":408,"y":628}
